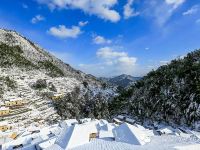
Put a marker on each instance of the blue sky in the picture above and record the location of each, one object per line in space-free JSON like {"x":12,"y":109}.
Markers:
{"x":108,"y":37}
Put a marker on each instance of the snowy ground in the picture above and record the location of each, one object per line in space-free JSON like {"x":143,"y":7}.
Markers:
{"x":164,"y":142}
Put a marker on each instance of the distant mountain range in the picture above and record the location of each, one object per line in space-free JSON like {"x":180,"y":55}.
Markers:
{"x":121,"y":80}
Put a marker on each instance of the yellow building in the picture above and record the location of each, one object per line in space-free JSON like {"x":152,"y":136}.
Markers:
{"x":93,"y":136}
{"x":4,"y":111}
{"x":14,"y":102}
{"x":13,"y":136}
{"x":57,"y":96}
{"x":4,"y":126}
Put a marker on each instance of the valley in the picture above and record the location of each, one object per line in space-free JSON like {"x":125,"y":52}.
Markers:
{"x":43,"y":101}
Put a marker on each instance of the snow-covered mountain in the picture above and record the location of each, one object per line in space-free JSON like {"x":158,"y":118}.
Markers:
{"x":121,"y":80}
{"x":21,"y":52}
{"x":31,"y":74}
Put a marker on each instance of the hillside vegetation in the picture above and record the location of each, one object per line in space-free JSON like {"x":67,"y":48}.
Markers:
{"x":13,"y":56}
{"x":171,"y":94}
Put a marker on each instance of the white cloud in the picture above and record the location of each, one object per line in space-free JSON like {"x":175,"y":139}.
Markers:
{"x":129,"y":11}
{"x":161,"y":11}
{"x":198,"y":21}
{"x":62,"y":32}
{"x":164,"y":62}
{"x":25,"y":6}
{"x":37,"y":19}
{"x":192,"y":10}
{"x":151,"y":67}
{"x":108,"y":53}
{"x":101,"y":40}
{"x":101,"y":8}
{"x":83,"y":23}
{"x":175,"y":3}
{"x":111,"y":63}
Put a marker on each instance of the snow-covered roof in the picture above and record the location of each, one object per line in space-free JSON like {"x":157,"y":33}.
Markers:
{"x":85,"y":120}
{"x":32,"y":128}
{"x":76,"y":135}
{"x":117,"y":120}
{"x":1,"y":103}
{"x":54,"y":147}
{"x":29,"y":141}
{"x":107,"y":127}
{"x":4,"y":108}
{"x":15,"y":99}
{"x":188,"y":147}
{"x":130,"y":134}
{"x":58,"y":94}
{"x":47,"y":143}
{"x":103,"y":121}
{"x":139,"y":126}
{"x":5,"y":140}
{"x":120,"y":117}
{"x":166,"y":130}
{"x":3,"y":123}
{"x":130,"y":120}
{"x":68,"y":122}
{"x":105,"y":134}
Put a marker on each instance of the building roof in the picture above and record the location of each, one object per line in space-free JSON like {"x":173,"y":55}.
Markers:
{"x":130,"y":120}
{"x":130,"y":134}
{"x":2,"y":123}
{"x":117,"y":120}
{"x":68,"y":122}
{"x":58,"y":94}
{"x":76,"y":135}
{"x":107,"y":127}
{"x":4,"y":108}
{"x":105,"y":134}
{"x":16,"y":99}
{"x":120,"y":117}
{"x":85,"y":120}
{"x":54,"y":147}
{"x":166,"y":130}
{"x":48,"y":143}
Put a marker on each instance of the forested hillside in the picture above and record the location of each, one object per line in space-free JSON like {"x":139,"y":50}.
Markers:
{"x":171,"y":93}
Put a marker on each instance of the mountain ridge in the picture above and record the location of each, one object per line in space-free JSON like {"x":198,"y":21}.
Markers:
{"x":12,"y":38}
{"x":122,"y":80}
{"x":30,"y":73}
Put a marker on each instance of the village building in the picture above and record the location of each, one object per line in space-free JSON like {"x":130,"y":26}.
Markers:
{"x":4,"y":126}
{"x":117,"y":121}
{"x":131,"y":121}
{"x":130,"y":134}
{"x":14,"y":102}
{"x":69,"y":122}
{"x":76,"y":135}
{"x":166,"y":130}
{"x":4,"y":111}
{"x":57,"y":96}
{"x":121,"y":117}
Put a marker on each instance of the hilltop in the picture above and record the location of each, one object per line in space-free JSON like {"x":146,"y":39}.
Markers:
{"x":121,"y":80}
